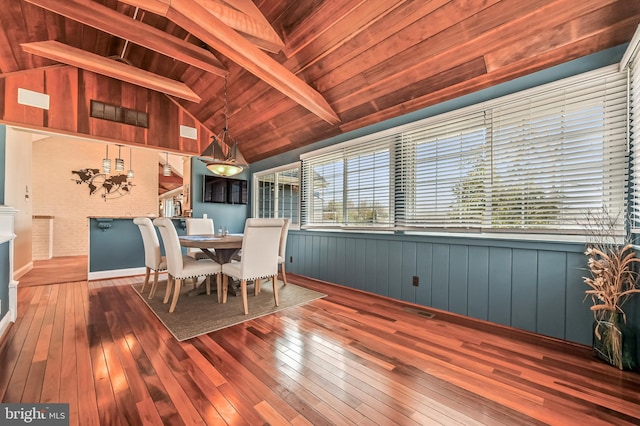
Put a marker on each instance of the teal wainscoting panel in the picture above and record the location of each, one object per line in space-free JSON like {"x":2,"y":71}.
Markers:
{"x":458,"y":279}
{"x":4,"y":278}
{"x":315,"y":255}
{"x":332,"y":248}
{"x":409,"y":269}
{"x":552,"y":293}
{"x":382,"y":264}
{"x":350,"y":276}
{"x":524,"y":289}
{"x":118,"y":246}
{"x":500,"y":285}
{"x":440,"y":276}
{"x":395,"y":269}
{"x":293,"y":252}
{"x":370,"y":267}
{"x":577,"y":312}
{"x":340,"y":267}
{"x":424,"y":261}
{"x":534,"y":286}
{"x":478,"y":289}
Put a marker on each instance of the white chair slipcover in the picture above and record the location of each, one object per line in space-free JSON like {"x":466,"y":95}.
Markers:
{"x":153,"y":260}
{"x":260,"y":248}
{"x":181,"y":267}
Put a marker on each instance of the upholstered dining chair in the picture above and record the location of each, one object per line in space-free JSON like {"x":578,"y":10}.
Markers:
{"x":181,"y":267}
{"x":153,"y":260}
{"x":199,"y":226}
{"x":260,"y":248}
{"x":282,"y":251}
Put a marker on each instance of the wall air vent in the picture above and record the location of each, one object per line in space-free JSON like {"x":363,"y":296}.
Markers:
{"x":119,"y":114}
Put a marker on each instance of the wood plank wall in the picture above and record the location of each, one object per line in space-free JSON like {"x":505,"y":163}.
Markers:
{"x":533,"y":286}
{"x":71,"y":91}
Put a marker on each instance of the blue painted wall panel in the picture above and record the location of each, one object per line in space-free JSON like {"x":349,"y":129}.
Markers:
{"x":340,"y":266}
{"x":458,"y":279}
{"x":395,"y":269}
{"x":424,"y":267}
{"x":370,"y":266}
{"x":440,"y":277}
{"x":350,"y":276}
{"x":552,"y":293}
{"x":500,"y":285}
{"x":577,"y":310}
{"x":408,"y":271}
{"x":478,"y":288}
{"x":524,"y":289}
{"x":382,"y":263}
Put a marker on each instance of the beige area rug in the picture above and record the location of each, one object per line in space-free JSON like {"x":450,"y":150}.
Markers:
{"x":201,"y":314}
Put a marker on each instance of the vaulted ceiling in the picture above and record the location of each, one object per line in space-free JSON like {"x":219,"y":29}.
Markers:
{"x":299,"y":71}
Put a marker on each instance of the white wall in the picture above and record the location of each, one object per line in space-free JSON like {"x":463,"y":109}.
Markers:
{"x":18,"y":194}
{"x":56,"y":193}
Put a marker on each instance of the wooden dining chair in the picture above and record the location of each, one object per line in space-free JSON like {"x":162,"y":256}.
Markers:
{"x":199,"y":226}
{"x":153,"y":260}
{"x":260,"y":248}
{"x":181,"y":267}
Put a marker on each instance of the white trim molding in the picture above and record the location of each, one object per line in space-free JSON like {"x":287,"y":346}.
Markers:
{"x":7,"y":217}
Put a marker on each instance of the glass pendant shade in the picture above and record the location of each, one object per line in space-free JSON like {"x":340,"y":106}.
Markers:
{"x":223,"y":169}
{"x":119,"y":161}
{"x":166,"y":170}
{"x":106,"y":163}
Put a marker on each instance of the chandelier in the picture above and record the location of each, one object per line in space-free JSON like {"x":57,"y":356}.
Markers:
{"x":226,"y":159}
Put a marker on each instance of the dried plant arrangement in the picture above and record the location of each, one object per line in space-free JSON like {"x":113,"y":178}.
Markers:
{"x":613,"y":281}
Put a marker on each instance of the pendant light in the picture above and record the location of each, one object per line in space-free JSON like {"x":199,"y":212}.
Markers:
{"x":166,"y":170}
{"x":106,"y":163}
{"x":232,"y":162}
{"x":119,"y":161}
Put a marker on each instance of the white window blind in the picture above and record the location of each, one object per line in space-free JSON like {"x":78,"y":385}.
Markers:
{"x":535,"y":161}
{"x":349,"y":185}
{"x":277,"y":193}
{"x":631,"y":63}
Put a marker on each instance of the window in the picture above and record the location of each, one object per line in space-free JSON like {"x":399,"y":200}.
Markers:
{"x":631,"y":63}
{"x":535,"y":161}
{"x":277,"y":193}
{"x":350,"y":186}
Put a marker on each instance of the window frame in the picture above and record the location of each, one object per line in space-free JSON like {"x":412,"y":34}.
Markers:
{"x":487,"y":107}
{"x":275,"y":171}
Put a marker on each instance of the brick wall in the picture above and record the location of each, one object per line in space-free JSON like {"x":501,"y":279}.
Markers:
{"x":56,"y":193}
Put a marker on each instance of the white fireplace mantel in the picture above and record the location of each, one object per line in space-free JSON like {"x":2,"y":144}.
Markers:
{"x":7,"y":236}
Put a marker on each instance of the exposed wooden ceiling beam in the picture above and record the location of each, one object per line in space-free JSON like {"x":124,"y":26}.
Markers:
{"x":89,"y":61}
{"x":259,"y":32}
{"x":225,"y":40}
{"x":108,"y":20}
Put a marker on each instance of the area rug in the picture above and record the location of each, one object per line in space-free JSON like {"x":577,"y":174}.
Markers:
{"x":201,"y":314}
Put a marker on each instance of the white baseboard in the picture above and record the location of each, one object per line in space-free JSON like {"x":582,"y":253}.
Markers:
{"x":5,"y":322}
{"x":116,"y":273}
{"x":17,"y":274}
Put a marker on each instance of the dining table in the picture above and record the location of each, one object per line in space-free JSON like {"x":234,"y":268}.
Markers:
{"x":219,"y":248}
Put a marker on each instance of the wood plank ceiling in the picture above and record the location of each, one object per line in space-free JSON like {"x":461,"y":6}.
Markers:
{"x":300,"y":71}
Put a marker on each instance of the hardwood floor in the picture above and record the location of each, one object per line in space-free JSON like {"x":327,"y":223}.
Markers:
{"x":349,"y":358}
{"x":62,"y":269}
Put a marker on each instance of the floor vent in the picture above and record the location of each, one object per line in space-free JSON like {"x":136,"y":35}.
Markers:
{"x":422,"y":313}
